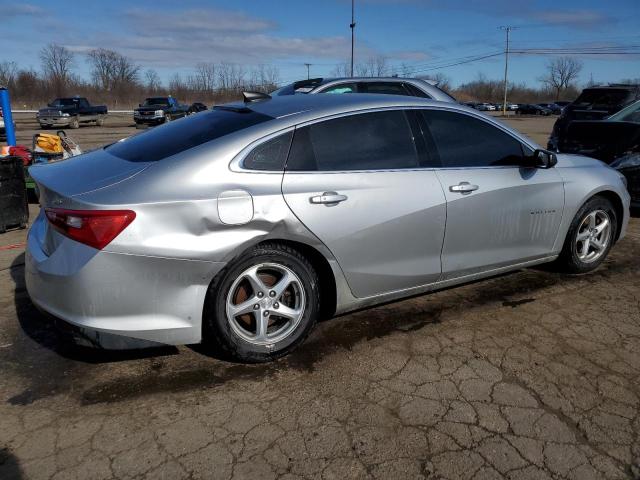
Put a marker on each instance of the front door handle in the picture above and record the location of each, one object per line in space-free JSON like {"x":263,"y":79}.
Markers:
{"x":463,"y":187}
{"x":328,"y":198}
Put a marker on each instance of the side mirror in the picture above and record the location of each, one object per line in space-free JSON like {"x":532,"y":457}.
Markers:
{"x":139,"y":104}
{"x":545,"y":158}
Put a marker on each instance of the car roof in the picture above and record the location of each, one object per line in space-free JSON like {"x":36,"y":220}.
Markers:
{"x":323,"y":105}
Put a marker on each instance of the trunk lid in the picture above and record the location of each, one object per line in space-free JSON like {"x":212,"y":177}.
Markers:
{"x":84,"y":173}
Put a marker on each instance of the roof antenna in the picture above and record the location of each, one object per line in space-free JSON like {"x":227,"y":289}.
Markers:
{"x":254,"y":96}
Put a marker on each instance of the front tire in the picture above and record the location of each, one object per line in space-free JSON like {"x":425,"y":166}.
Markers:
{"x":590,"y":238}
{"x":263,"y":305}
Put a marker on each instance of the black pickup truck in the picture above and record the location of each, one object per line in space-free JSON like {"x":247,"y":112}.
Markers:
{"x":157,"y":110}
{"x":71,"y":112}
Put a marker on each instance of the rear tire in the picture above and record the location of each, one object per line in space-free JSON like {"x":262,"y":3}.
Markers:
{"x":286,"y":284}
{"x":591,"y":235}
{"x":100,"y":121}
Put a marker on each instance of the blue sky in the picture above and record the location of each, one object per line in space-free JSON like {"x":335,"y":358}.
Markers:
{"x":171,"y":36}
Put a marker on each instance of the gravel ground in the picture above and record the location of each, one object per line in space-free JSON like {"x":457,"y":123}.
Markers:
{"x":531,"y":375}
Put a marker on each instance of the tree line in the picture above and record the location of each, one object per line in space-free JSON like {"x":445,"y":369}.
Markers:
{"x":119,"y":82}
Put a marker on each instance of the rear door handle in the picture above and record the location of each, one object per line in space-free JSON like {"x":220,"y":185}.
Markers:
{"x":463,"y":187}
{"x":328,"y":198}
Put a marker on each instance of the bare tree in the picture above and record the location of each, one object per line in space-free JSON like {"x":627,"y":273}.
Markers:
{"x":231,"y":76}
{"x":264,"y":78}
{"x":152,"y":80}
{"x":8,"y":72}
{"x":57,"y":62}
{"x":204,"y":78}
{"x":373,"y":67}
{"x":406,"y":70}
{"x":561,"y":73}
{"x":342,"y":70}
{"x":111,"y":70}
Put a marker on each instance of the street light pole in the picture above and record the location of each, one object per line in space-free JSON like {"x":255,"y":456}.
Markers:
{"x":352,"y":26}
{"x":507,"y":29}
{"x":308,"y":65}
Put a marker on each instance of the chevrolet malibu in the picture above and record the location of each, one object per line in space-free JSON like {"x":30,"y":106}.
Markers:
{"x":244,"y":225}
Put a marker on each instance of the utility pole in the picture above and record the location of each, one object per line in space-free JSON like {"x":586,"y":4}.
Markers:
{"x":308,"y":65}
{"x":352,"y":26}
{"x":507,"y":29}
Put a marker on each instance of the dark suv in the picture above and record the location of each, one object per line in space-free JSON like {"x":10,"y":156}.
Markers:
{"x":594,"y":103}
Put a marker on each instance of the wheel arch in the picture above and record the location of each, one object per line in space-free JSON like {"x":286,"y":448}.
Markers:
{"x":327,"y":280}
{"x":615,"y":199}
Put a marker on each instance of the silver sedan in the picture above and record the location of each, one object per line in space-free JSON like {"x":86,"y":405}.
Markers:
{"x":244,"y":225}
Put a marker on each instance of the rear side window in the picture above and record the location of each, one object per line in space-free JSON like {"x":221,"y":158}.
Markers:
{"x":389,"y":88}
{"x":464,"y":141}
{"x":370,"y":141}
{"x":270,"y":155}
{"x":181,"y":135}
{"x":415,"y":91}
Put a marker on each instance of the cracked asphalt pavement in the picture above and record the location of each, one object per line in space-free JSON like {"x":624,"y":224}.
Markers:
{"x":531,"y":375}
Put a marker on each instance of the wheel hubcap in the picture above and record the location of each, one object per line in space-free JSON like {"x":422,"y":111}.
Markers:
{"x":265,"y":303}
{"x":594,"y":235}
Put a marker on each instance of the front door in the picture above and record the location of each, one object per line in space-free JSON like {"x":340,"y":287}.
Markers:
{"x":357,"y":184}
{"x":499,"y":213}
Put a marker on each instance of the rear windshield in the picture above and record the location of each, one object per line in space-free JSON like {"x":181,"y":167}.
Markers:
{"x":602,"y":98}
{"x":181,"y":135}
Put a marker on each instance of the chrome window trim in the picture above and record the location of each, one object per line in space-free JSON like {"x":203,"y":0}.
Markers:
{"x":236,"y":164}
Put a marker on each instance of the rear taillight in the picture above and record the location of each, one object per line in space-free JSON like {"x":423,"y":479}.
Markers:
{"x":96,"y":228}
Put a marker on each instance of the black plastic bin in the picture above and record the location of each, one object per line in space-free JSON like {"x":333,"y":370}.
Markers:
{"x":14,"y":209}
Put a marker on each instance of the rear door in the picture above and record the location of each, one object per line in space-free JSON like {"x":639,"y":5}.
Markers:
{"x":359,"y":183}
{"x":498,"y":212}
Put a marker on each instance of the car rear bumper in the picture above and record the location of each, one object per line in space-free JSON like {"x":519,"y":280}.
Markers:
{"x":112,"y":297}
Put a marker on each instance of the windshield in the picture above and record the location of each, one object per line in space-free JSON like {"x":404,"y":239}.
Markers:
{"x":602,"y":98}
{"x":149,"y":102}
{"x":64,"y":102}
{"x":629,"y":114}
{"x":175,"y":137}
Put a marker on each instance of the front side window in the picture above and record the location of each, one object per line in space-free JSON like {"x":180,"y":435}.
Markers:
{"x":465,"y":141}
{"x":270,"y":155}
{"x":369,"y":141}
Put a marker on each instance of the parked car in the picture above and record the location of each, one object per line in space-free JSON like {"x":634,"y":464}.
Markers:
{"x":594,"y":103}
{"x":562,"y":103}
{"x":532,"y":109}
{"x":196,"y":107}
{"x":471,"y":104}
{"x":614,"y":140}
{"x":232,"y":227}
{"x":158,"y":110}
{"x":510,"y":106}
{"x":485,"y":107}
{"x":71,"y":112}
{"x":412,"y":87}
{"x":555,"y":109}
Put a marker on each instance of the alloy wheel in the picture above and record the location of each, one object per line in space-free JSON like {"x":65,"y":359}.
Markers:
{"x":265,"y":303}
{"x":593,"y":237}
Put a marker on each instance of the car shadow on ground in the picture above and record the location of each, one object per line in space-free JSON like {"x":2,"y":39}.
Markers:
{"x":10,"y":466}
